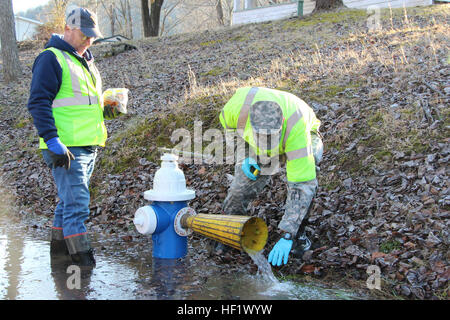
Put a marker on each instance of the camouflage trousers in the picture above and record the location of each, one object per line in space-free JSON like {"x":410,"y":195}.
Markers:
{"x":300,"y":194}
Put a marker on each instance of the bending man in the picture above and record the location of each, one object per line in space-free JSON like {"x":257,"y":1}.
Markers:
{"x":277,"y":127}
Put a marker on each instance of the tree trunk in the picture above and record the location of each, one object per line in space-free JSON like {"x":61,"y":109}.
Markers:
{"x":219,"y":10}
{"x":155,"y":14}
{"x":145,"y":11}
{"x":130,"y":20}
{"x":112,"y":19}
{"x":326,"y":5}
{"x":150,"y":18}
{"x":10,"y":53}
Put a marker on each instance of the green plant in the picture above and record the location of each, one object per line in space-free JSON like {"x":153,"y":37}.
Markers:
{"x":390,"y":245}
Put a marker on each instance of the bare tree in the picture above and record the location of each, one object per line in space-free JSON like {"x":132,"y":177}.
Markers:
{"x":109,"y":9}
{"x":119,"y":14}
{"x":219,"y":10}
{"x":326,"y":5}
{"x":10,"y":53}
{"x":151,"y":16}
{"x":130,"y":20}
{"x":194,"y":15}
{"x":166,"y":13}
{"x":123,"y":18}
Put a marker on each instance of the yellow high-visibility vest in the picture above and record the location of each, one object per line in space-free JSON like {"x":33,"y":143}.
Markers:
{"x":78,"y":106}
{"x":299,"y":121}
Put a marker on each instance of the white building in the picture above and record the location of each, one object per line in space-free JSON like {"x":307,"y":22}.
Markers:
{"x":247,"y":11}
{"x":358,"y":4}
{"x":25,"y":28}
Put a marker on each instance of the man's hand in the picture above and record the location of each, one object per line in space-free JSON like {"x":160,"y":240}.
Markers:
{"x":251,"y":168}
{"x":280,"y":252}
{"x":59,"y":153}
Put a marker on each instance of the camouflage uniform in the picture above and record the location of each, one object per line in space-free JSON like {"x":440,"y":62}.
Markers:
{"x":243,"y":190}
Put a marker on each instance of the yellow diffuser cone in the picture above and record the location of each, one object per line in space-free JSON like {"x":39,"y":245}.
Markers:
{"x":240,"y":232}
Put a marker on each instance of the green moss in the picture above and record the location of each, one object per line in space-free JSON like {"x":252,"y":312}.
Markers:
{"x":333,"y":90}
{"x":331,"y":185}
{"x":415,"y":141}
{"x":383,"y":155}
{"x":288,"y":85}
{"x":375,"y":119}
{"x":419,"y":146}
{"x":210,"y":43}
{"x":390,"y":245}
{"x":349,"y":162}
{"x":240,"y":38}
{"x":94,"y":191}
{"x":326,"y":17}
{"x":321,"y":92}
{"x":21,"y":122}
{"x":214,"y":72}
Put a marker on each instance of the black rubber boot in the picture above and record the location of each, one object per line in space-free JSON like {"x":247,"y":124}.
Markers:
{"x":58,"y":247}
{"x":80,"y":250}
{"x":84,"y":259}
{"x":301,"y":245}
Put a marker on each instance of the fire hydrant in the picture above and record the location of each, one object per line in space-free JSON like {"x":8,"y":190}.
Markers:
{"x":169,"y":219}
{"x":162,"y":218}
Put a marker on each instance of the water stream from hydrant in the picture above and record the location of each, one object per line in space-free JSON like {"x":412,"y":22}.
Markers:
{"x":264,"y":268}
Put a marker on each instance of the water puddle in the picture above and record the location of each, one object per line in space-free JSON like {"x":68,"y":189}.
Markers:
{"x":128,"y":272}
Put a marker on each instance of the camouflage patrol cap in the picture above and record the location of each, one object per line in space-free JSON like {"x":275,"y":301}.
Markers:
{"x":266,"y":117}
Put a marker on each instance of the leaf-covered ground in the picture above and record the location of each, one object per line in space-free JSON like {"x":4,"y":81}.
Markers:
{"x":382,"y":97}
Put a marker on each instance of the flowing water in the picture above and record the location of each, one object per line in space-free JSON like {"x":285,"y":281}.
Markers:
{"x":126,"y":270}
{"x":264,"y":268}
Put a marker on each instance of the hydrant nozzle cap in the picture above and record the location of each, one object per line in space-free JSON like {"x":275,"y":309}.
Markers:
{"x":145,"y":220}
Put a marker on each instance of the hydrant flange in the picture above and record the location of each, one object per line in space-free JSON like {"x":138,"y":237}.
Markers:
{"x":179,"y":229}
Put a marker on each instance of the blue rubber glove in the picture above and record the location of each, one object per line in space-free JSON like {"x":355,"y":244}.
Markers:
{"x":56,"y":146}
{"x":59,"y":153}
{"x":249,"y":166}
{"x":280,"y":252}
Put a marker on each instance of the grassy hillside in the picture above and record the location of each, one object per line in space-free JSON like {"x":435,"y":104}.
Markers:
{"x":382,"y":97}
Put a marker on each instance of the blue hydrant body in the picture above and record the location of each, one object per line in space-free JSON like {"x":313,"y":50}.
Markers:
{"x":167,"y":244}
{"x":161,"y":218}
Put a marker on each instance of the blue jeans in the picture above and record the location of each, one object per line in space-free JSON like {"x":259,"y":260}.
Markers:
{"x":72,"y":209}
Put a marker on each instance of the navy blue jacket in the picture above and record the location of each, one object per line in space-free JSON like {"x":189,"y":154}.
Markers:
{"x":45,"y":84}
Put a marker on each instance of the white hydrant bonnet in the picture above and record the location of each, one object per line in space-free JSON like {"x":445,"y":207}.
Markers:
{"x":169,"y":183}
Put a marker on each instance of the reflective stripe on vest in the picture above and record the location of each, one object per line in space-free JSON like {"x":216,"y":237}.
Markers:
{"x":243,"y":114}
{"x":225,"y":121}
{"x":299,"y":153}
{"x":78,"y":98}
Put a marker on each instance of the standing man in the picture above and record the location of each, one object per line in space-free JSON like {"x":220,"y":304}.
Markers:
{"x":277,"y":127}
{"x":67,"y":108}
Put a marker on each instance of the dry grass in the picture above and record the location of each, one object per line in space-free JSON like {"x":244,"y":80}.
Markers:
{"x":393,"y":48}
